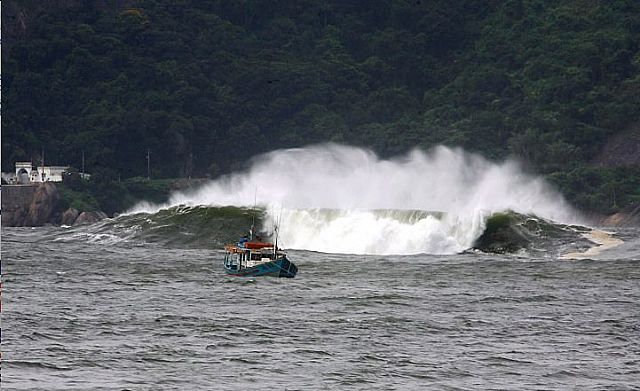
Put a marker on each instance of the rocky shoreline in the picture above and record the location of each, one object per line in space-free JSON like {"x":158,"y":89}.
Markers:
{"x":628,"y":217}
{"x":38,"y":205}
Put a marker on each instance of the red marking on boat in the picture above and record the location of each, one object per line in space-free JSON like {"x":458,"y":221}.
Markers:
{"x":253,"y":245}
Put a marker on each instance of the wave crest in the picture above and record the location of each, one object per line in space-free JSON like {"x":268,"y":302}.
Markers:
{"x":337,"y":198}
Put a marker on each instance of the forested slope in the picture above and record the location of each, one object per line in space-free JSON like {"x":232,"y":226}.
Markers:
{"x":204,"y":85}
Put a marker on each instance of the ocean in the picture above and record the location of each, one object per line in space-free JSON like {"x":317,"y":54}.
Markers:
{"x":432,"y":271}
{"x":83,"y":315}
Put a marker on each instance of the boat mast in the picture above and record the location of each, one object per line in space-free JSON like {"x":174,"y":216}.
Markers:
{"x":275,"y":246}
{"x":253,"y":214}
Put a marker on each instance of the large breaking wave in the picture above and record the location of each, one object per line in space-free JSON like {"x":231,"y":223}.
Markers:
{"x":342,"y":199}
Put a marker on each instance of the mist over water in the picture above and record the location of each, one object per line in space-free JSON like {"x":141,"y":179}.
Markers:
{"x":343,"y":199}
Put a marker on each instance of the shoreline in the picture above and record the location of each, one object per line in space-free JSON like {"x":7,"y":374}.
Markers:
{"x":41,"y":204}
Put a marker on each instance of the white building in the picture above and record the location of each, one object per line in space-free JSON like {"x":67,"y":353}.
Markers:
{"x":52,"y":173}
{"x":26,"y":173}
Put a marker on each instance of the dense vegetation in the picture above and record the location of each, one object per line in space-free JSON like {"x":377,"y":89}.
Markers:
{"x":204,"y":84}
{"x":113,"y":196}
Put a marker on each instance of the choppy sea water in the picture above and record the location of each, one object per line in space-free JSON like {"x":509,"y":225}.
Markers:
{"x":132,"y":316}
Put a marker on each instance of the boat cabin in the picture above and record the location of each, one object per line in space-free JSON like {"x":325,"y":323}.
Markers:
{"x":253,"y":257}
{"x":237,"y":257}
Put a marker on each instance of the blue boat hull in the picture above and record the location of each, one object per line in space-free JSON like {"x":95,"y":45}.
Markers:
{"x":279,"y":268}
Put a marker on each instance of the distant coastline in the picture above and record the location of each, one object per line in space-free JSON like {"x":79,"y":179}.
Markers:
{"x":47,"y":203}
{"x":40,"y":204}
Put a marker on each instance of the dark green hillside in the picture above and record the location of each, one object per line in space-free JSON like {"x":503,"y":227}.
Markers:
{"x":204,"y":84}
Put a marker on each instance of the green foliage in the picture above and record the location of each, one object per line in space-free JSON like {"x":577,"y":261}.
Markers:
{"x":76,"y":195}
{"x":106,"y":192}
{"x":111,"y":194}
{"x":600,"y":189}
{"x":205,"y":85}
{"x":155,"y":190}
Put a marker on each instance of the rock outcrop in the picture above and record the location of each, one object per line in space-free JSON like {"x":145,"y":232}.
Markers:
{"x":89,"y":217}
{"x":69,"y":216}
{"x":36,"y":205}
{"x":44,"y":205}
{"x":629,"y":217}
{"x":621,"y":150}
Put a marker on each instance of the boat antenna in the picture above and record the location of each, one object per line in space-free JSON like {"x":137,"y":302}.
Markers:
{"x":253,"y":214}
{"x":275,"y":247}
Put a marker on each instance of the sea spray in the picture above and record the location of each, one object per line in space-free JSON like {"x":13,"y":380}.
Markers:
{"x":369,"y":232}
{"x":329,"y":195}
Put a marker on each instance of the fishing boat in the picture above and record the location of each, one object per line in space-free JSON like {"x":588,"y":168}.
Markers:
{"x":251,"y":257}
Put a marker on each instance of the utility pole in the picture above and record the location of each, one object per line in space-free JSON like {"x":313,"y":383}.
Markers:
{"x":83,"y":164}
{"x":42,"y":176}
{"x":148,"y":164}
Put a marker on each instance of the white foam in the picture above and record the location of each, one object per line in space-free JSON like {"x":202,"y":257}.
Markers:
{"x":354,"y":182}
{"x":603,"y":240}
